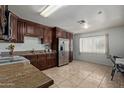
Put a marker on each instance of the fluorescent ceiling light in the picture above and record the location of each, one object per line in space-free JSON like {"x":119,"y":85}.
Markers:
{"x":49,"y":9}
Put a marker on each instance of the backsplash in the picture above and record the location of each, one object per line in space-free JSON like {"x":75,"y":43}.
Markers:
{"x":29,"y":44}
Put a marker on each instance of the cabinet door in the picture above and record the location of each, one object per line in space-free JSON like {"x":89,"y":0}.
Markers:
{"x":42,"y":63}
{"x":33,"y":60}
{"x":20,"y":31}
{"x":68,"y":35}
{"x":47,"y":36}
{"x":60,"y":33}
{"x":13,"y":27}
{"x":51,"y":60}
{"x":64,"y":34}
{"x":39,"y":31}
{"x":0,"y":23}
{"x":30,"y":29}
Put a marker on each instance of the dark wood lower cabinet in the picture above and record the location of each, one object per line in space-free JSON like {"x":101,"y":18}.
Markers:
{"x":51,"y":60}
{"x":42,"y":61}
{"x":33,"y":59}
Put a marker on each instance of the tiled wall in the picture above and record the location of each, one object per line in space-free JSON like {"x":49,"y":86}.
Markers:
{"x":29,"y":44}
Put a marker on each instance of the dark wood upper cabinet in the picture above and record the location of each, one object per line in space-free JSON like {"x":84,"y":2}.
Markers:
{"x":0,"y":16}
{"x":47,"y":38}
{"x":0,"y":23}
{"x":30,"y":29}
{"x":60,"y":33}
{"x":21,"y":29}
{"x":34,"y":29}
{"x":13,"y":27}
{"x":39,"y":31}
{"x":68,"y":35}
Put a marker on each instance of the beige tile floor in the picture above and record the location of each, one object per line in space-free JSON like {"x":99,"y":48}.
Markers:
{"x":78,"y":74}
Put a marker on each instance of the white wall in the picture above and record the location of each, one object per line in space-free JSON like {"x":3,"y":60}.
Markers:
{"x":116,"y":45}
{"x":29,"y":44}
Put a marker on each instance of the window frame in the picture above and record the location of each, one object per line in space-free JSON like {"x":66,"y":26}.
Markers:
{"x":106,"y":45}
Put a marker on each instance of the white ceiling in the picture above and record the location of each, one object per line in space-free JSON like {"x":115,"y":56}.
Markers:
{"x":67,"y":16}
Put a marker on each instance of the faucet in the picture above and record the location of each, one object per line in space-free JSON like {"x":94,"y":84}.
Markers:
{"x":33,"y":50}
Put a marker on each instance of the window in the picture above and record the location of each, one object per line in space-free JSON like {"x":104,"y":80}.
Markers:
{"x":96,"y":44}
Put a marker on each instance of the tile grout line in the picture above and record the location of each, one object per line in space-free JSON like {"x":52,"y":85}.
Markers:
{"x":101,"y":80}
{"x":85,"y":78}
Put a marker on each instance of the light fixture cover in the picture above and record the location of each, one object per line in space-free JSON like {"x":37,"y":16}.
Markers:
{"x":86,"y":26}
{"x":49,"y":9}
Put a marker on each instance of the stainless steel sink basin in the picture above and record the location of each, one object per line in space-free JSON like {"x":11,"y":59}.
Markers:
{"x":12,"y":60}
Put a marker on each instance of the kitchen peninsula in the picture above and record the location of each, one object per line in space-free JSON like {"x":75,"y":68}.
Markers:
{"x":23,"y":75}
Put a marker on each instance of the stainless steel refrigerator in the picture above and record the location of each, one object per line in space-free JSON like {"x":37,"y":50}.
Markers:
{"x":63,"y":51}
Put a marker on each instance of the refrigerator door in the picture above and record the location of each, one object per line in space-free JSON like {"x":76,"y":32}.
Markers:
{"x":60,"y":52}
{"x":63,"y":51}
{"x":66,"y":51}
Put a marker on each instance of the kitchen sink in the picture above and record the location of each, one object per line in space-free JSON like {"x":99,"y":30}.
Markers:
{"x":37,"y":52}
{"x":12,"y":60}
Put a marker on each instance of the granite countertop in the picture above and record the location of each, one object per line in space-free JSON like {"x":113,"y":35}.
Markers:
{"x":23,"y":53}
{"x":23,"y":75}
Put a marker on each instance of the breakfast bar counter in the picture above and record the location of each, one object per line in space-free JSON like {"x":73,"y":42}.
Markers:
{"x":23,"y":75}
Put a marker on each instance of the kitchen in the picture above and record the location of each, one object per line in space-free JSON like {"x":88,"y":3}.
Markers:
{"x":37,"y":49}
{"x":26,"y":33}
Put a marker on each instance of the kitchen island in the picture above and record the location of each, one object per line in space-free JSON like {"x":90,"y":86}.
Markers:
{"x":23,"y":75}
